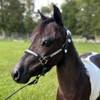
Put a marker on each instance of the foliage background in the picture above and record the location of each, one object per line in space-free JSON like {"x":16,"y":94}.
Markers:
{"x":80,"y":16}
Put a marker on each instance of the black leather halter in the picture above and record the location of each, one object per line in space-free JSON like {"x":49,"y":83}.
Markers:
{"x":44,"y":60}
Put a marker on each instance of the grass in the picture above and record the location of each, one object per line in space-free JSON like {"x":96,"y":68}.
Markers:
{"x":46,"y":89}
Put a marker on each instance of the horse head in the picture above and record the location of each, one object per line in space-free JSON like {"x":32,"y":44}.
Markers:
{"x":47,"y":42}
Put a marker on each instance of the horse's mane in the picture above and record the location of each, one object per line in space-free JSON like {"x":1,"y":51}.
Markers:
{"x":40,"y":28}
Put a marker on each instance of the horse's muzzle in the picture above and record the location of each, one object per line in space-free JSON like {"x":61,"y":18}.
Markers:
{"x":15,"y":74}
{"x":19,"y":75}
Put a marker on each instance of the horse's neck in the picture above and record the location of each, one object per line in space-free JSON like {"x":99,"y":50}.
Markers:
{"x":69,"y":72}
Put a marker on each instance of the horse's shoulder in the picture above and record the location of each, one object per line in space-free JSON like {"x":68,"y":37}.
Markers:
{"x":86,"y":55}
{"x":92,"y":57}
{"x":91,"y":63}
{"x":95,"y":59}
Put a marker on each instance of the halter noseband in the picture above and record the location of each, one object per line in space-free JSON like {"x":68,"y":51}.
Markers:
{"x":45,"y":59}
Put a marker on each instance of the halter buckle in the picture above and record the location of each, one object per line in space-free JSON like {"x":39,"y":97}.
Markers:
{"x":43,"y":61}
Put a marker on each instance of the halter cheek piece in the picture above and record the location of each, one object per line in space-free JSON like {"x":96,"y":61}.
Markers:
{"x":45,"y":59}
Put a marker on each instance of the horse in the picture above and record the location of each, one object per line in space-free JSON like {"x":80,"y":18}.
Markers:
{"x":51,"y":44}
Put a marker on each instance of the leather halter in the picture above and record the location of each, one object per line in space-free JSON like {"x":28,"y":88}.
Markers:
{"x":44,"y":60}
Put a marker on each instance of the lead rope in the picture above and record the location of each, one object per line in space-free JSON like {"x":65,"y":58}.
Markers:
{"x":33,"y":82}
{"x":43,"y":62}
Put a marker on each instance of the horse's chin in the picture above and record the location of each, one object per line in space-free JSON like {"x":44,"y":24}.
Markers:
{"x":23,"y":80}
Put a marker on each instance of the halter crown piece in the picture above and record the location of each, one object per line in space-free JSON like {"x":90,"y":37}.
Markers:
{"x":45,"y":59}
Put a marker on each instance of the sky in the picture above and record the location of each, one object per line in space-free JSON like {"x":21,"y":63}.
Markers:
{"x":41,"y":3}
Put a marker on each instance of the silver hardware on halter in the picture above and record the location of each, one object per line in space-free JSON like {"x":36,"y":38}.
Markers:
{"x":69,"y":40}
{"x":65,"y":51}
{"x":68,"y":33}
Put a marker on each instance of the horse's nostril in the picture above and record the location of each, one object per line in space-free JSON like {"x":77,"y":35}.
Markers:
{"x":16,"y":75}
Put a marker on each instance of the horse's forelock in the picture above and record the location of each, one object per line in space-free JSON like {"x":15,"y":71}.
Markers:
{"x":41,"y":27}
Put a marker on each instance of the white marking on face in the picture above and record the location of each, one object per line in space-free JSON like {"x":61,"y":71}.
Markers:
{"x":94,"y":74}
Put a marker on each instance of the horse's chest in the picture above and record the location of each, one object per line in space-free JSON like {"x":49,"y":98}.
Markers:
{"x":94,"y":74}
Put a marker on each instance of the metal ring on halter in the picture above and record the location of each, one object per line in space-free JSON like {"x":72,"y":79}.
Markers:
{"x":43,"y":60}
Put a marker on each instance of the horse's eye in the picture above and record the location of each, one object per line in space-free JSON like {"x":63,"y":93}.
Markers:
{"x":48,"y":42}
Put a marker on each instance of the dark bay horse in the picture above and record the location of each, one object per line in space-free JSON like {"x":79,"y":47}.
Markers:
{"x":78,"y":77}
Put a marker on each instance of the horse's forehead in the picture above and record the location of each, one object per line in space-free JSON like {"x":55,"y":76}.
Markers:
{"x":49,"y":30}
{"x":51,"y":26}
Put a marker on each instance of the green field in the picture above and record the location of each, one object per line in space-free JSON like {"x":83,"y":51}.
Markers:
{"x":10,"y":53}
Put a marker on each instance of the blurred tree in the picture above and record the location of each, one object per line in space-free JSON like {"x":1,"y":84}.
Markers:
{"x":95,"y":22}
{"x":83,"y":18}
{"x":69,"y":10}
{"x":29,"y":20}
{"x":11,"y":16}
{"x":88,"y":17}
{"x":45,"y":10}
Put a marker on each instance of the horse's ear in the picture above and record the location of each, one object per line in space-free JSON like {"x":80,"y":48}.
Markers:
{"x":57,"y":16}
{"x":42,"y":16}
